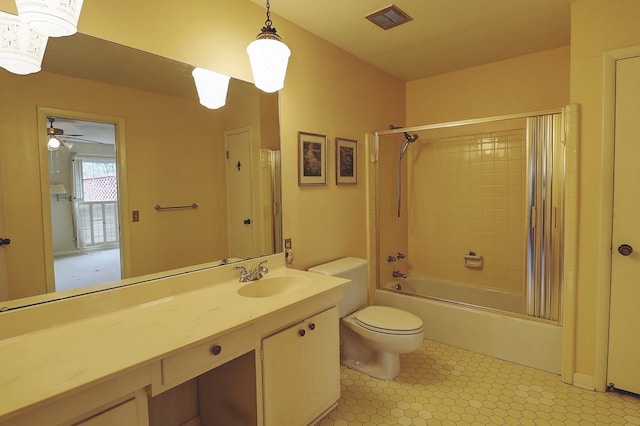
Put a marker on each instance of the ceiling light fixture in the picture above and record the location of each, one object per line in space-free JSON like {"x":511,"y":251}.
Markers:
{"x":21,"y":48}
{"x":54,"y":18}
{"x":269,"y":58}
{"x":54,"y":142}
{"x":212,"y":87}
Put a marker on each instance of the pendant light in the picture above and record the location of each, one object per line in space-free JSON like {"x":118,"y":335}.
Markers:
{"x":21,"y":48}
{"x":53,"y":18}
{"x":269,"y":57}
{"x":212,"y":87}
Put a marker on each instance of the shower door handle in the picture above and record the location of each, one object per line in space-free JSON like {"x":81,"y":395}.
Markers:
{"x":625,"y":249}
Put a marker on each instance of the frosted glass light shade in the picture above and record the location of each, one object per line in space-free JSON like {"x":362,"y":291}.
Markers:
{"x":269,"y":59}
{"x":21,"y":48}
{"x":53,"y":18}
{"x":53,"y":143}
{"x":212,"y":87}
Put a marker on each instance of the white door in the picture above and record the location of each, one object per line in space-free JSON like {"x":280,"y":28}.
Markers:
{"x":624,"y":332}
{"x":4,"y":240}
{"x":239,"y":194}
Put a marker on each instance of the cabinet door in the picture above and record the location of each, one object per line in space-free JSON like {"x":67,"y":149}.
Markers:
{"x":322,"y":366}
{"x":283,"y":365}
{"x":301,"y":370}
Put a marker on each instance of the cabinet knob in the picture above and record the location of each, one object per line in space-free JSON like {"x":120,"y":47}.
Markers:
{"x":216,"y":350}
{"x":312,"y":326}
{"x":301,"y":332}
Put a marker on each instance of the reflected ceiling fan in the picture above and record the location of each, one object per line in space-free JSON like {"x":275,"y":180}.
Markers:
{"x":57,"y":138}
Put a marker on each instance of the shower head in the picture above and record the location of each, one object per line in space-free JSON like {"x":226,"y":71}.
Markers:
{"x":410,"y":138}
{"x":407,"y":140}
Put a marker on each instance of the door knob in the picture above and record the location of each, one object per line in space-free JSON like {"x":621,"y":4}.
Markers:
{"x":4,"y":241}
{"x":247,"y":221}
{"x":625,"y":249}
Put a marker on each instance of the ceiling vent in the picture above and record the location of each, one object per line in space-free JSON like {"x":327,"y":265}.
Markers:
{"x":389,"y":17}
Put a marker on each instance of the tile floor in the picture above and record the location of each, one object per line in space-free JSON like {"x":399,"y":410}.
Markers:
{"x":445,"y":385}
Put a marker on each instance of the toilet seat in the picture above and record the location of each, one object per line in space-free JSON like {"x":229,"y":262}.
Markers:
{"x":388,"y":320}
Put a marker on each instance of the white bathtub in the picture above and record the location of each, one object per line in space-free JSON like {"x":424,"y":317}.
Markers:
{"x":529,"y":342}
{"x":461,"y":293}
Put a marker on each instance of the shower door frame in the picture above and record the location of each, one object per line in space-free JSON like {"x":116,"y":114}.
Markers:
{"x":559,"y":273}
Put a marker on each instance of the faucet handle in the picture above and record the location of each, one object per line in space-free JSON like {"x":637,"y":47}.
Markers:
{"x":244,"y":274}
{"x":260,"y":270}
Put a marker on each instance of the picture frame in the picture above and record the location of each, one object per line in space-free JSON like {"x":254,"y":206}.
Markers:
{"x":346,"y":161}
{"x":312,"y":159}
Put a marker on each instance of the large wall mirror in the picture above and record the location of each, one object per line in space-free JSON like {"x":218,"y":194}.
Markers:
{"x":145,"y":180}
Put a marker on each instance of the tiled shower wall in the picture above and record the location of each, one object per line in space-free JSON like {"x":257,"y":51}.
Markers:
{"x":467,"y":193}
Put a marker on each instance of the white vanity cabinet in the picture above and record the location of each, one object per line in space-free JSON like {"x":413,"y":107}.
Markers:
{"x":120,"y":401}
{"x":301,"y":370}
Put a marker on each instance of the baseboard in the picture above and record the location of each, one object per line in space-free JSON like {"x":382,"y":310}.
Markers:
{"x":584,"y":381}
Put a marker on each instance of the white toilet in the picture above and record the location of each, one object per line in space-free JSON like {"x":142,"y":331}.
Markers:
{"x":372,"y":337}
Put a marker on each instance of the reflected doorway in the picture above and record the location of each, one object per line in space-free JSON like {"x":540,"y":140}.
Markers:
{"x":83,"y":180}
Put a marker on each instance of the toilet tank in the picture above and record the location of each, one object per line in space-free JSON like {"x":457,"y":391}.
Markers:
{"x":351,"y":268}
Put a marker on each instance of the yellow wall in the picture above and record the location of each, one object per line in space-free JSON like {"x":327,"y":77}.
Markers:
{"x":596,"y":26}
{"x":174,"y":155}
{"x":527,"y":83}
{"x":327,"y":91}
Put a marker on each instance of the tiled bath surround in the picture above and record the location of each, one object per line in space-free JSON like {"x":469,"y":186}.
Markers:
{"x":467,"y":193}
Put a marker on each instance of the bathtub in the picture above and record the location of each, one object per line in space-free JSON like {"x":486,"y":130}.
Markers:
{"x":504,"y":335}
{"x":459,"y":292}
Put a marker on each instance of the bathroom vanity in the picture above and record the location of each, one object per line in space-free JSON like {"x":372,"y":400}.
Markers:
{"x":194,"y":348}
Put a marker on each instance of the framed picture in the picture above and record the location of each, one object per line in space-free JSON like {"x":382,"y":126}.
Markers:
{"x":312,"y":159}
{"x":346,"y":161}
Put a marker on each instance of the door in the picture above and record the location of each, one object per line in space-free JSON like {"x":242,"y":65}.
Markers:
{"x":83,"y":205}
{"x":240,"y":218}
{"x":624,"y":333}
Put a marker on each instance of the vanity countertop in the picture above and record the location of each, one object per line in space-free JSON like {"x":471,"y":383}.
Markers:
{"x":48,"y":362}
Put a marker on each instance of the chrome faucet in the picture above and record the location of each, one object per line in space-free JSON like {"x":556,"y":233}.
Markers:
{"x":252,"y":274}
{"x":398,"y":274}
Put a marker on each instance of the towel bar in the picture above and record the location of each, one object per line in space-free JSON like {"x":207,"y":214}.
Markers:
{"x":160,"y":208}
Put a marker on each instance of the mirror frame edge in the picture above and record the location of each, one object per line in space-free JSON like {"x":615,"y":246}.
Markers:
{"x":123,"y":204}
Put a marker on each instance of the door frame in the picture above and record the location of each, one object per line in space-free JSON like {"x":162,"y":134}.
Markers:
{"x":603,"y":286}
{"x":123,"y":205}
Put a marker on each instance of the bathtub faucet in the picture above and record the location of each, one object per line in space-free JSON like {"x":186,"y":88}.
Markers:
{"x":398,"y":274}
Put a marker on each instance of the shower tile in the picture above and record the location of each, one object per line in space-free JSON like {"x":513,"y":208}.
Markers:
{"x":444,"y":385}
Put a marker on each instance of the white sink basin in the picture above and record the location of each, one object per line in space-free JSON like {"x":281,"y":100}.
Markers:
{"x":268,"y":287}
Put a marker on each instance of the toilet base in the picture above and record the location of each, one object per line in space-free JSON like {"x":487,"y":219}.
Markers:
{"x":385,"y":365}
{"x":356,"y":354}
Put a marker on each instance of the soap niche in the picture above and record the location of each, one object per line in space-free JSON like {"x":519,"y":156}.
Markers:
{"x":225,"y":395}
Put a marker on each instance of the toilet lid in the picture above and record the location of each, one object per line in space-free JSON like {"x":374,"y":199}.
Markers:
{"x":385,"y":319}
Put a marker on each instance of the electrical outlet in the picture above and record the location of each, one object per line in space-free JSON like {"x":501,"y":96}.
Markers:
{"x":135,"y":216}
{"x":287,"y":244}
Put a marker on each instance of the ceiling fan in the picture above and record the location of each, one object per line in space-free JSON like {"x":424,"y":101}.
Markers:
{"x":57,"y":138}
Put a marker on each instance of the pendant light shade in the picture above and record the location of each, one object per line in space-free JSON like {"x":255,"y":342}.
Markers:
{"x":269,"y":58}
{"x":21,"y":48}
{"x":54,"y":18}
{"x":212,"y":87}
